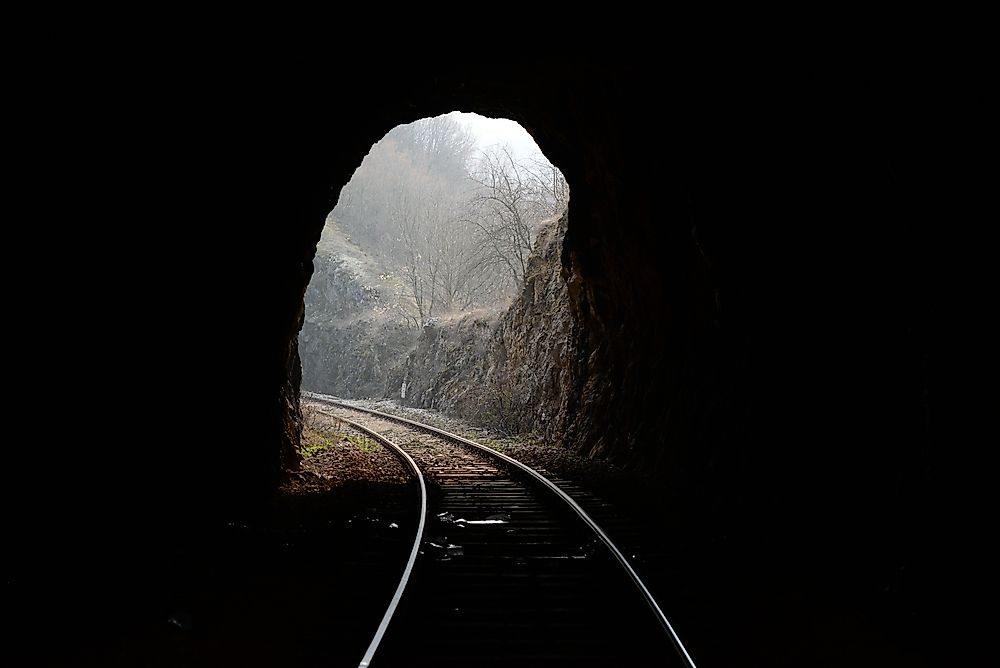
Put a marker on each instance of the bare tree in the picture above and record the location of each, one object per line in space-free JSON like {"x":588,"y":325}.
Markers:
{"x":511,"y":200}
{"x":440,"y":145}
{"x":430,"y":246}
{"x":552,"y":190}
{"x":457,"y":243}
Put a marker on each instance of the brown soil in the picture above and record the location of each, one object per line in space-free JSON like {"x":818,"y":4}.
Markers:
{"x":335,"y":454}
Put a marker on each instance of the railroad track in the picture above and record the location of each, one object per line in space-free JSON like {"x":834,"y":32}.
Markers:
{"x":506,"y":568}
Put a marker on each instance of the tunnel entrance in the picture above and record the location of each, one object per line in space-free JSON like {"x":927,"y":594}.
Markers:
{"x":763,"y":319}
{"x":429,"y":246}
{"x":776,"y":313}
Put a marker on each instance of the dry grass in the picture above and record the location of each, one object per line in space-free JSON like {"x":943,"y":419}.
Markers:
{"x":334,"y":454}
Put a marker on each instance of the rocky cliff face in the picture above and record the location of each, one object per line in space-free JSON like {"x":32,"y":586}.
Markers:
{"x":512,"y":372}
{"x":350,"y":340}
{"x":353,"y":360}
{"x":442,"y":367}
{"x":551,"y":365}
{"x":530,"y":373}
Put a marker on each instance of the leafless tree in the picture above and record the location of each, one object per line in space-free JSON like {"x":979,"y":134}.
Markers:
{"x":552,"y":190}
{"x":457,"y":231}
{"x":509,"y":203}
{"x":441,"y":145}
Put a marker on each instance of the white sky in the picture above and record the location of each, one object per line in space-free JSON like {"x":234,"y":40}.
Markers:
{"x":491,"y":131}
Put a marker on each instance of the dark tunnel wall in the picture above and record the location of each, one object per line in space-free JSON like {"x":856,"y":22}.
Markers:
{"x":758,"y":260}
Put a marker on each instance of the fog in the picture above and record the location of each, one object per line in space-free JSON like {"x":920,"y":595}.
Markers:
{"x":494,"y":132}
{"x":449,"y":208}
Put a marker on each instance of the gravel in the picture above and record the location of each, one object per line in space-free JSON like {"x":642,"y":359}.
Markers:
{"x":632,"y":491}
{"x":339,"y":455}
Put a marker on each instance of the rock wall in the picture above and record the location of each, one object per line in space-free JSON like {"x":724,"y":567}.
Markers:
{"x":352,"y":337}
{"x":511,"y":372}
{"x":348,"y":350}
{"x":553,"y":365}
{"x":443,"y":365}
{"x":353,"y":360}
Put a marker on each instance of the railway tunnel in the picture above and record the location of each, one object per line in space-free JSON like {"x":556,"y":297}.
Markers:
{"x":749,"y":257}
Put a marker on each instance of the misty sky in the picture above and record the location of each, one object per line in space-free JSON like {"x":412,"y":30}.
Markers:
{"x":490,"y":131}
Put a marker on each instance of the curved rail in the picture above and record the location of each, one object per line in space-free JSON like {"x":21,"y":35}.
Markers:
{"x":387,"y":617}
{"x":608,"y":543}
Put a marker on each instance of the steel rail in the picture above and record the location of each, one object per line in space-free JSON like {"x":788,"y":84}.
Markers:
{"x":404,"y":580}
{"x":605,"y":539}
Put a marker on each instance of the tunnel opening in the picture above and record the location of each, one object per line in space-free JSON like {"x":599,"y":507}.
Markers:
{"x":788,"y":377}
{"x":687,"y":312}
{"x":434,"y":238}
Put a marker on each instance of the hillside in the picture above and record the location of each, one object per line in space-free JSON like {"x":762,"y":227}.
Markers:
{"x":355,"y":330}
